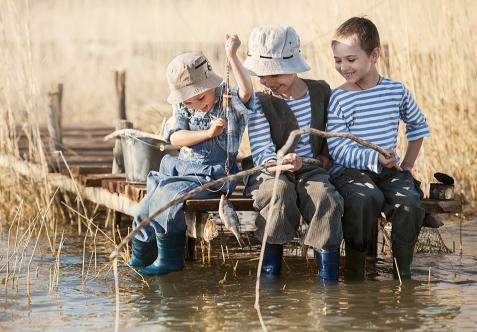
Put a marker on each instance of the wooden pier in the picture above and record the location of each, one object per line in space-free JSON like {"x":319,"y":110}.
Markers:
{"x":80,"y":161}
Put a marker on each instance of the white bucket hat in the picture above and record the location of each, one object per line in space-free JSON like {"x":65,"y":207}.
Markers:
{"x":189,"y":75}
{"x":274,"y":51}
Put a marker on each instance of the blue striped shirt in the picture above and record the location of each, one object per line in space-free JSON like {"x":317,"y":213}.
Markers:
{"x":263,"y":148}
{"x":373,"y":115}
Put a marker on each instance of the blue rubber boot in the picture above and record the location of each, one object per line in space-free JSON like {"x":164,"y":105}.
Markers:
{"x":170,"y":254}
{"x":328,"y":264}
{"x":143,"y":253}
{"x":272,"y":259}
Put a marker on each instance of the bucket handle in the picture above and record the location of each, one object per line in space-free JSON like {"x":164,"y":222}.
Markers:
{"x":141,"y":141}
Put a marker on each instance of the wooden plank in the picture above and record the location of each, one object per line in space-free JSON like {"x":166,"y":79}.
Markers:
{"x":77,"y":170}
{"x":110,"y":184}
{"x":82,"y":159}
{"x":135,"y":192}
{"x":94,"y":180}
{"x":246,"y":204}
{"x":91,"y":167}
{"x":442,"y":206}
{"x":212,"y":204}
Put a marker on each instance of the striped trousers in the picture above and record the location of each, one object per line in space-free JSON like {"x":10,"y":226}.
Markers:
{"x":306,"y":193}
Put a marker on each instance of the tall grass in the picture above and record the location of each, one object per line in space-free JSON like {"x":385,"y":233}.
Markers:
{"x":432,"y":48}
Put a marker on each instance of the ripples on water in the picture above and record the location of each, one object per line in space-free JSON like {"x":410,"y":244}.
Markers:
{"x":194,"y":299}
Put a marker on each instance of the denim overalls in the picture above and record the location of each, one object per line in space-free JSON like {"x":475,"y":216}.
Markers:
{"x":195,"y":165}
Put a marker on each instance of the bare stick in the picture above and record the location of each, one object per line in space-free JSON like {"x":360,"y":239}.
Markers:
{"x":298,"y":132}
{"x":185,"y":197}
{"x":241,"y":174}
{"x":262,"y":250}
{"x":116,"y":291}
{"x":398,"y":273}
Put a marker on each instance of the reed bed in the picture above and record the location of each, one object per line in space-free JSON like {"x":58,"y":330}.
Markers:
{"x":429,"y":45}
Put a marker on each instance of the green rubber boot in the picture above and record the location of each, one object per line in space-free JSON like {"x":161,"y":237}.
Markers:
{"x":355,"y":262}
{"x":170,"y":254}
{"x":402,"y":255}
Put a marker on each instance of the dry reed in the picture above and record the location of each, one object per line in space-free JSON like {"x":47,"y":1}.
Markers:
{"x":432,"y":59}
{"x":424,"y":48}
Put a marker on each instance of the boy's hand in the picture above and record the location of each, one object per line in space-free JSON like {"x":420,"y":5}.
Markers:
{"x":406,"y":167}
{"x":217,"y":127}
{"x":295,"y":162}
{"x":388,"y":162}
{"x":232,"y":43}
{"x":327,"y":163}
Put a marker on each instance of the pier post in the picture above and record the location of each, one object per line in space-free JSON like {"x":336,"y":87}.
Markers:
{"x":121,"y":123}
{"x":55,"y":97}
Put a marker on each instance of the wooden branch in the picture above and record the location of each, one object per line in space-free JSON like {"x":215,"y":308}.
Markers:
{"x":241,"y":174}
{"x":186,"y":196}
{"x":326,"y":134}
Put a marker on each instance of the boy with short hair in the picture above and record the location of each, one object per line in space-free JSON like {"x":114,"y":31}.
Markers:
{"x":370,"y":106}
{"x":303,"y":190}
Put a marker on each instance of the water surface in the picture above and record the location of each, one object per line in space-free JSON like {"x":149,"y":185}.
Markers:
{"x":200,"y":299}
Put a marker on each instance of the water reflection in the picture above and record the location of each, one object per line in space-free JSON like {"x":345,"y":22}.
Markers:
{"x":196,"y":300}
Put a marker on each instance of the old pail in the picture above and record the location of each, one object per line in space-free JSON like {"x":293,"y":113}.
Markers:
{"x":141,"y":155}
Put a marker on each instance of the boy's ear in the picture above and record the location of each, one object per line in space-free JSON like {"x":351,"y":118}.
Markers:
{"x":375,"y":54}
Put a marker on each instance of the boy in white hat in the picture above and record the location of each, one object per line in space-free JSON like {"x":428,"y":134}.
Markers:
{"x":304,"y":191}
{"x":210,"y":135}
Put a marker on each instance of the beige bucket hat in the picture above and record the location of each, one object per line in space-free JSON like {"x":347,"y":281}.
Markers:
{"x":189,"y":75}
{"x":274,"y":51}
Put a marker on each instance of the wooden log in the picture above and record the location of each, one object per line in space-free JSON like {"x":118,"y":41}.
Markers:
{"x":55,"y":97}
{"x":96,"y":195}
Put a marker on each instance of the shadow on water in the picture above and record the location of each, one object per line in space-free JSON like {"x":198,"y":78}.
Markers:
{"x":199,"y":298}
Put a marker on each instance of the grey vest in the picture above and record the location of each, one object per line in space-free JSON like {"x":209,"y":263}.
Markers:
{"x":282,"y":120}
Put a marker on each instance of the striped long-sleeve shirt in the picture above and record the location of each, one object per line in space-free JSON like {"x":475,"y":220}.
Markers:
{"x":373,"y":115}
{"x":263,"y":148}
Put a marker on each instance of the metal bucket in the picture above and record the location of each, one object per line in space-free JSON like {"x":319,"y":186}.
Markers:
{"x":141,"y":155}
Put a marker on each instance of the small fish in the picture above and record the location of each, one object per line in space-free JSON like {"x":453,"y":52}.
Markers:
{"x":230,"y":219}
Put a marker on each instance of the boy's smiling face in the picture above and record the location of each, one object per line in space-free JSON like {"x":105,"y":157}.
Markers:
{"x":278,"y":84}
{"x":202,"y":102}
{"x":351,"y":61}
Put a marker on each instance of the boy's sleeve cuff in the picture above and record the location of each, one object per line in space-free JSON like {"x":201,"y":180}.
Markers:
{"x":373,"y":161}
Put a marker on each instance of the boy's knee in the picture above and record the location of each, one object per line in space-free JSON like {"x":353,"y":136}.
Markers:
{"x":285,"y":190}
{"x":371,"y":200}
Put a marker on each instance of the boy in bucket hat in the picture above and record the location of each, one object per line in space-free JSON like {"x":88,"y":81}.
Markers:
{"x":304,"y":191}
{"x":210,"y":135}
